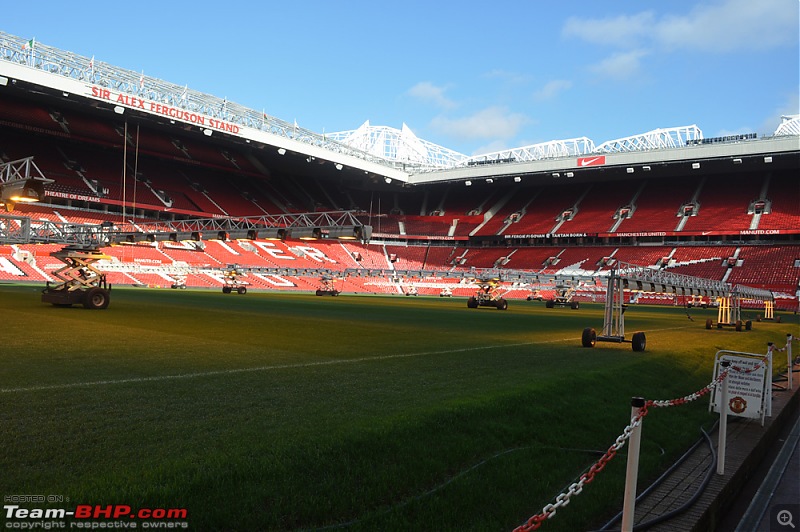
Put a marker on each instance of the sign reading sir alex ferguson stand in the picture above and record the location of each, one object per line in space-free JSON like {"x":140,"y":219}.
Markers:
{"x":749,"y":384}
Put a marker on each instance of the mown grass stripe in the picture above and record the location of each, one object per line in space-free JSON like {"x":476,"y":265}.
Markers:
{"x":139,"y":380}
{"x":269,"y":368}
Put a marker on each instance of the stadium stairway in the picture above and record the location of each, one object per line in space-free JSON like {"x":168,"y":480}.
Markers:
{"x":719,"y":506}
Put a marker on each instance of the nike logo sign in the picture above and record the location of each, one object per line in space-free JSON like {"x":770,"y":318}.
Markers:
{"x":591,"y":161}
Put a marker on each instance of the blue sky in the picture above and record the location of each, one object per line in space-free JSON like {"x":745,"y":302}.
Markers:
{"x":474,"y":77}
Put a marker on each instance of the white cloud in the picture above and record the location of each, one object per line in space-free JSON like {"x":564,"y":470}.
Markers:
{"x":620,"y":66}
{"x":490,"y":123}
{"x":551,"y":89}
{"x":622,"y":30}
{"x":719,"y":26}
{"x":731,"y":25}
{"x":428,"y":92}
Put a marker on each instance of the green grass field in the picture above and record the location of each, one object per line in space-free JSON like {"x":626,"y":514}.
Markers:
{"x":276,"y":411}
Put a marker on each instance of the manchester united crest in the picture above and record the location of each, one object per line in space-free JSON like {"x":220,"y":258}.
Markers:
{"x":737,"y":405}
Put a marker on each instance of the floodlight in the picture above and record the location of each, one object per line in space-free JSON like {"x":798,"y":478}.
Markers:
{"x":207,"y":132}
{"x":556,"y":174}
{"x":3,"y":81}
{"x":468,"y":183}
{"x":630,"y":170}
{"x":119,"y":109}
{"x":737,"y":161}
{"x":646,"y":168}
{"x":22,"y":191}
{"x":307,"y":233}
{"x":570,"y":174}
{"x":768,"y":159}
{"x":348,"y":232}
{"x":281,"y":151}
{"x":388,"y":180}
{"x":695,"y":166}
{"x":339,"y":166}
{"x":517,"y":179}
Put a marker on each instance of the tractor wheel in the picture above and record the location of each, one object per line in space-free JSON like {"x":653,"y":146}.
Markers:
{"x":472,"y":302}
{"x":96,"y":299}
{"x":242,"y":290}
{"x":575,"y":305}
{"x":709,"y":323}
{"x":226,"y":289}
{"x":589,"y":337}
{"x":549,"y":303}
{"x":638,"y":341}
{"x":502,"y":304}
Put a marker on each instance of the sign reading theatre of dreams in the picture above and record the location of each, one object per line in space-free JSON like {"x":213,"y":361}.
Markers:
{"x":174,"y":113}
{"x":749,"y":390}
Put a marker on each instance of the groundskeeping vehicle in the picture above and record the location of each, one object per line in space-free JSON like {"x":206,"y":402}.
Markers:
{"x":80,"y":283}
{"x":488,"y":294}
{"x":563,"y":297}
{"x":327,"y":287}
{"x":231,"y":282}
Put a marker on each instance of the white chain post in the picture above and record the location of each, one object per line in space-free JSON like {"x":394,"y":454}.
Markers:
{"x":723,"y":420}
{"x":632,"y":472}
{"x":789,"y":360}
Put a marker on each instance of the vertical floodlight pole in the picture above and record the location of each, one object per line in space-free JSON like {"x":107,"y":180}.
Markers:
{"x":723,"y":419}
{"x":632,"y":472}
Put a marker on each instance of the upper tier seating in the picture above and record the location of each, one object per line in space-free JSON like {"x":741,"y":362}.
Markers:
{"x":657,"y":206}
{"x":723,"y":204}
{"x":595,"y":212}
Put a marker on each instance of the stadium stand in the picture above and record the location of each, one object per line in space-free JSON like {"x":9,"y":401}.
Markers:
{"x":737,"y":223}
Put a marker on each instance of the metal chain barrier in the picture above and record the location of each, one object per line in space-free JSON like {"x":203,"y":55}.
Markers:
{"x":707,"y":389}
{"x":575,"y":488}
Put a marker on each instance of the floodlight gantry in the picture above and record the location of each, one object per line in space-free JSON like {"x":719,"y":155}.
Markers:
{"x":637,"y":278}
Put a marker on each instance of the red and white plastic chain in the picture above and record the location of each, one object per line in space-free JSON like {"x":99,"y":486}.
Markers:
{"x":762,"y":362}
{"x":576,"y":487}
{"x":704,"y":391}
{"x":782,"y":349}
{"x":691,"y":397}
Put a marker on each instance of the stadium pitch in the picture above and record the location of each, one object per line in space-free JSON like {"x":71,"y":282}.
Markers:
{"x":284,"y":411}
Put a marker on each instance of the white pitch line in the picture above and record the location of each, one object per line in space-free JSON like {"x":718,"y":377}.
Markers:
{"x":278,"y":367}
